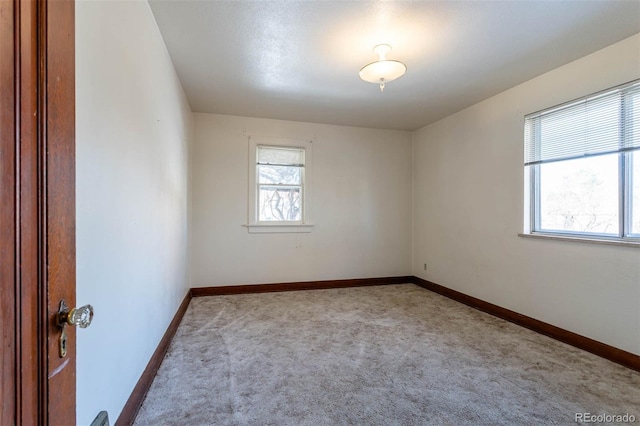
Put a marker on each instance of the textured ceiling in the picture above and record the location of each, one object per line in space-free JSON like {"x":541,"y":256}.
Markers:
{"x":299,"y":60}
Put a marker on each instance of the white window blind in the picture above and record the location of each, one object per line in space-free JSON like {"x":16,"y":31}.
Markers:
{"x":604,"y":123}
{"x":277,"y":156}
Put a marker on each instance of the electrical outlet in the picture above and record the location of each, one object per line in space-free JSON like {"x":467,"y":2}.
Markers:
{"x":425,"y":266}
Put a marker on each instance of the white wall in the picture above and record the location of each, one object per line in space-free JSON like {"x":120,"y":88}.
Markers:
{"x":468,"y":196}
{"x":133,"y":128}
{"x":361,"y":205}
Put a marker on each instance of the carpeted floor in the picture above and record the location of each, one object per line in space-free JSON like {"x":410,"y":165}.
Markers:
{"x":386,"y":355}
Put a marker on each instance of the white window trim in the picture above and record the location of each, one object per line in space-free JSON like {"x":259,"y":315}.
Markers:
{"x":530,"y":228}
{"x":253,"y":225}
{"x":574,"y":239}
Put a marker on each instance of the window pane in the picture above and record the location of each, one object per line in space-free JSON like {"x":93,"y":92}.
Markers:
{"x":580,"y":195}
{"x":287,"y":175}
{"x":279,"y":203}
{"x":635,"y":192}
{"x":280,"y":155}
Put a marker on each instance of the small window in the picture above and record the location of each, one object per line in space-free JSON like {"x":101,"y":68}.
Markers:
{"x":280,"y":172}
{"x":279,"y":185}
{"x":581,"y":166}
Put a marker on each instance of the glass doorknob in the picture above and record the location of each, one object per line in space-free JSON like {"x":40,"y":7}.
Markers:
{"x":81,"y":316}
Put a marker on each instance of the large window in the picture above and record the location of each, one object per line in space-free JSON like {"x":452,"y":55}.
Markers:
{"x":582,"y":166}
{"x":279,"y":185}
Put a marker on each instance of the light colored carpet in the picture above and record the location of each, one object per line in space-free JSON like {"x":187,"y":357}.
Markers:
{"x":386,"y":355}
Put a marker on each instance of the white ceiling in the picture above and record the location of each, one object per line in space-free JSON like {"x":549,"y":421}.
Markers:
{"x":299,"y":60}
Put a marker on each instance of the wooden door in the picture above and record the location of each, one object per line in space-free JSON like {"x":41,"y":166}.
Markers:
{"x":37,"y":210}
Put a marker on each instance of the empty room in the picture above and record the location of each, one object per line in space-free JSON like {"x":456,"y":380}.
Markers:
{"x":320,"y":212}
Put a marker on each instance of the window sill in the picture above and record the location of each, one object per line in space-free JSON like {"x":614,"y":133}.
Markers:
{"x":278,"y":228}
{"x":634,"y":244}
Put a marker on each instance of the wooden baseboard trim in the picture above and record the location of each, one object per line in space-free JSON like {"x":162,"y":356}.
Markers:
{"x":131,"y":408}
{"x":292,"y":286}
{"x":603,"y":350}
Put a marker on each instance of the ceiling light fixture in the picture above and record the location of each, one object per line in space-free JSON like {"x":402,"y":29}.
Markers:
{"x":383,"y":70}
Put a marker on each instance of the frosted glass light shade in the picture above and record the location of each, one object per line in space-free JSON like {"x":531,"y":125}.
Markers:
{"x":383,"y":70}
{"x":379,"y":71}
